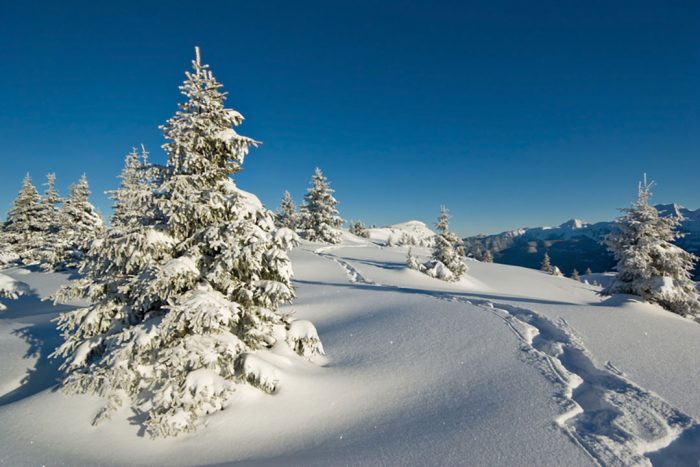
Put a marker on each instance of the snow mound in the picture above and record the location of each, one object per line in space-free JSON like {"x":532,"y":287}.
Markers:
{"x":258,"y":372}
{"x":414,"y":233}
{"x":303,"y":338}
{"x":439,"y":271}
{"x":10,"y":288}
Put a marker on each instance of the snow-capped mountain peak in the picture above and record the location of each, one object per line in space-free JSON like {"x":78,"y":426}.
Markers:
{"x":574,"y":224}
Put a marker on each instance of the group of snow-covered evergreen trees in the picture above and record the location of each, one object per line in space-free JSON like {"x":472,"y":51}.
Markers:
{"x":185,"y":286}
{"x":48,"y":229}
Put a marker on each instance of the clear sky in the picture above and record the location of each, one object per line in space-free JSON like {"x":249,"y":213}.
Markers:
{"x":511,"y":113}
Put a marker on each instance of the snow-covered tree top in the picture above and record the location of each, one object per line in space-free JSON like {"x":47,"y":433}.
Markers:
{"x":201,"y":134}
{"x":443,"y":222}
{"x":51,"y":196}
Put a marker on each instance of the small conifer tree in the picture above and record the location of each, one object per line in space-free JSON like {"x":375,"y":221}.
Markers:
{"x":51,"y":220}
{"x":135,"y":190}
{"x":79,"y":226}
{"x":448,"y":250}
{"x":319,"y":216}
{"x":546,"y":265}
{"x":24,"y":230}
{"x":648,"y":263}
{"x":412,"y":261}
{"x":287,"y":215}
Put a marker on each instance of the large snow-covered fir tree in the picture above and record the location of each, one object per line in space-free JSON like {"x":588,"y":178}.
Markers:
{"x":447,"y":251}
{"x":24,"y":230}
{"x":287,"y":215}
{"x":320,"y":220}
{"x":79,"y":225}
{"x":648,"y":263}
{"x":50,"y":204}
{"x":186,"y":325}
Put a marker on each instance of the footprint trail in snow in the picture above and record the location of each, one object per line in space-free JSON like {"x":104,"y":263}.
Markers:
{"x":354,"y":275}
{"x":615,"y":421}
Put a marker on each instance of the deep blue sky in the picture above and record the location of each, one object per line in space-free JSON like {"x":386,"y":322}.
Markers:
{"x":510,"y":113}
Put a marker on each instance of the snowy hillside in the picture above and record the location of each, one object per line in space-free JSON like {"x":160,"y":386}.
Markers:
{"x":405,"y":233}
{"x":575,"y":243}
{"x":508,"y":366}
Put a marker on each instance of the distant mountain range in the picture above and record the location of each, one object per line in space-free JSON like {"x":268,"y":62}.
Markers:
{"x":574,"y":244}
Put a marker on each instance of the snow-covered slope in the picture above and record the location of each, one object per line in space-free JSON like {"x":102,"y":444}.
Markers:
{"x":405,"y":233}
{"x":509,"y":366}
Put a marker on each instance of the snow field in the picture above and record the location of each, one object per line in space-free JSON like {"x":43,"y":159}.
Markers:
{"x":508,"y":366}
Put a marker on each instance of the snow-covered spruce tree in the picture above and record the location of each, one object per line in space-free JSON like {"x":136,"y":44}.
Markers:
{"x":447,"y":251}
{"x":23,"y":232}
{"x":136,"y":187}
{"x":546,"y":264}
{"x":575,"y":275}
{"x":50,"y":218}
{"x":320,"y":220}
{"x":488,"y":257}
{"x":648,"y":263}
{"x":287,"y":215}
{"x":197,"y":314}
{"x":79,"y":226}
{"x":588,"y":271}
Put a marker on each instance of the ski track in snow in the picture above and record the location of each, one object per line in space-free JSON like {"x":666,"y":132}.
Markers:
{"x":610,"y":417}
